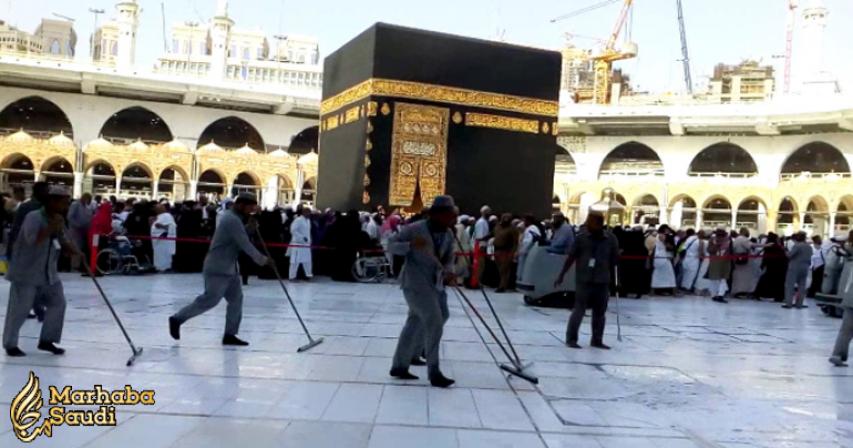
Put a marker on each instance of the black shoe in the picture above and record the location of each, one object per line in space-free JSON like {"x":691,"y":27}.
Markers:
{"x":573,"y":345}
{"x":175,"y":328}
{"x":32,"y":315}
{"x":402,"y":374}
{"x":15,"y":352}
{"x":440,"y":380}
{"x":50,"y":347}
{"x":802,"y":307}
{"x":418,"y":361}
{"x":600,"y":345}
{"x":787,"y":307}
{"x":720,"y":299}
{"x":500,"y":290}
{"x":230,"y":339}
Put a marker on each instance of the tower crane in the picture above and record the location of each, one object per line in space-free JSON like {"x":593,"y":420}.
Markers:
{"x":789,"y":41}
{"x":603,"y":61}
{"x":685,"y":56}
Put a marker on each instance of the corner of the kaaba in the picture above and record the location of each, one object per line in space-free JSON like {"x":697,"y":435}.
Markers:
{"x":492,"y":138}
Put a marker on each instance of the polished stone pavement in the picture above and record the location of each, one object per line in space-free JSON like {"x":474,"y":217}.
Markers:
{"x":690,"y":373}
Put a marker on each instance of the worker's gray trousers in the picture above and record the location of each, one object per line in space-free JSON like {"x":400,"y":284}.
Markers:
{"x":215,"y":288}
{"x":845,"y":335}
{"x":795,"y":280}
{"x":424,"y":326}
{"x":21,"y":299}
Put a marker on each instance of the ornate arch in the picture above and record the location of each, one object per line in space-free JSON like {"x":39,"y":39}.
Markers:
{"x":136,"y":123}
{"x":9,"y":159}
{"x":141,"y":164}
{"x":232,"y":132}
{"x":37,"y":115}
{"x":723,"y":158}
{"x":177,"y":169}
{"x":631,"y":158}
{"x":58,"y":158}
{"x":38,"y":150}
{"x":815,"y":158}
{"x":256,"y":180}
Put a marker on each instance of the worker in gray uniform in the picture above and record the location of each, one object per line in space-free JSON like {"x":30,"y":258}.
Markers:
{"x":429,"y":267}
{"x":845,"y":333}
{"x":33,"y":273}
{"x":596,"y":251}
{"x":799,"y":263}
{"x":221,"y":275}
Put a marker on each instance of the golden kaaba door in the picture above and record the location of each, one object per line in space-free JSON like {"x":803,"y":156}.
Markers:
{"x":418,"y":153}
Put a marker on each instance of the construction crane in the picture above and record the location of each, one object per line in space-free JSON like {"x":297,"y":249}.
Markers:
{"x":603,"y":61}
{"x":685,"y":56}
{"x":789,"y":41}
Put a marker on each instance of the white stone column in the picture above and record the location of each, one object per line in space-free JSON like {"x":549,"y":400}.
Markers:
{"x":677,"y":214}
{"x":228,"y":188}
{"x":118,"y":185}
{"x":193,"y":189}
{"x":300,"y":181}
{"x":762,"y":218}
{"x":831,"y":231}
{"x":734,"y":219}
{"x":271,"y":193}
{"x":36,"y":176}
{"x":799,"y":225}
{"x":155,"y":190}
{"x":78,"y":185}
{"x":699,"y":222}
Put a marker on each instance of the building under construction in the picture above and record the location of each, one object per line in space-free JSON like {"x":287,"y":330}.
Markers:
{"x":747,"y":81}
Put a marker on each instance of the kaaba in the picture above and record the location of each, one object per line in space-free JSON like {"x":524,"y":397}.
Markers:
{"x":409,"y":114}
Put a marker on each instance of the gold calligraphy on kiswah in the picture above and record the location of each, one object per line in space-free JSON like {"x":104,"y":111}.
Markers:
{"x":441,"y":94}
{"x":501,"y":122}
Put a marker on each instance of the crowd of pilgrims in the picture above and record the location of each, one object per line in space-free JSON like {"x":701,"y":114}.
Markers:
{"x":734,"y":264}
{"x":660,"y":261}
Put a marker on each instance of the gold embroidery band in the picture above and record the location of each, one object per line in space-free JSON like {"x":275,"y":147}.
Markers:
{"x":441,"y":94}
{"x":501,"y":122}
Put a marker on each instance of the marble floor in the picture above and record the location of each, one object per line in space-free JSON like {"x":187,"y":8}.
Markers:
{"x":689,"y":373}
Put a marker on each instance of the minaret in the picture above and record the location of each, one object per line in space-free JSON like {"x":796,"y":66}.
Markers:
{"x":810,"y":61}
{"x":220,"y":28}
{"x":128,"y":21}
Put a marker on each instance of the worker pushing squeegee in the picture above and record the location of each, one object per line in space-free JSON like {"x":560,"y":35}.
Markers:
{"x":429,"y":268}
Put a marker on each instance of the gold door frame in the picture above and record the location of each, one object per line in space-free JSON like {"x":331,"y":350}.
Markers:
{"x":418,"y":153}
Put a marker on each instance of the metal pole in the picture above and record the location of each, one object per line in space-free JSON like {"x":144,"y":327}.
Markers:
{"x":311,"y":341}
{"x":136,"y":351}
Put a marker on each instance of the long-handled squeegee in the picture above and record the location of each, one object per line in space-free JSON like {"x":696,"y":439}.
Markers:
{"x":516,"y":368}
{"x":311,"y":341}
{"x":137,"y":351}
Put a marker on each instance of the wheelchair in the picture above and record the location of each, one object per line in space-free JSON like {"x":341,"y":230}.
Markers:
{"x":371,"y":267}
{"x":118,"y":258}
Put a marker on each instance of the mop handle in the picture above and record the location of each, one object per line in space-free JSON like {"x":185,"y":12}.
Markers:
{"x":488,"y":328}
{"x":491,"y":308}
{"x":281,"y":282}
{"x":107,"y":301}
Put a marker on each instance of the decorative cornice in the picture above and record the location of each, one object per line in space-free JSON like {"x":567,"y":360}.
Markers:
{"x":440,"y":94}
{"x":502,"y":122}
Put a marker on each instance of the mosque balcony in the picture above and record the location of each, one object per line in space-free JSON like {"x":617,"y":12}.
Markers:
{"x":88,"y":78}
{"x":805,"y":176}
{"x":779,"y":116}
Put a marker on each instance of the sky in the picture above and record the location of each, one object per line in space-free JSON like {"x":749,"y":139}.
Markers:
{"x":717,"y":30}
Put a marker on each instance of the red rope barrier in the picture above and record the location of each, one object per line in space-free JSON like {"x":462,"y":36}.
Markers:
{"x":380,"y":251}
